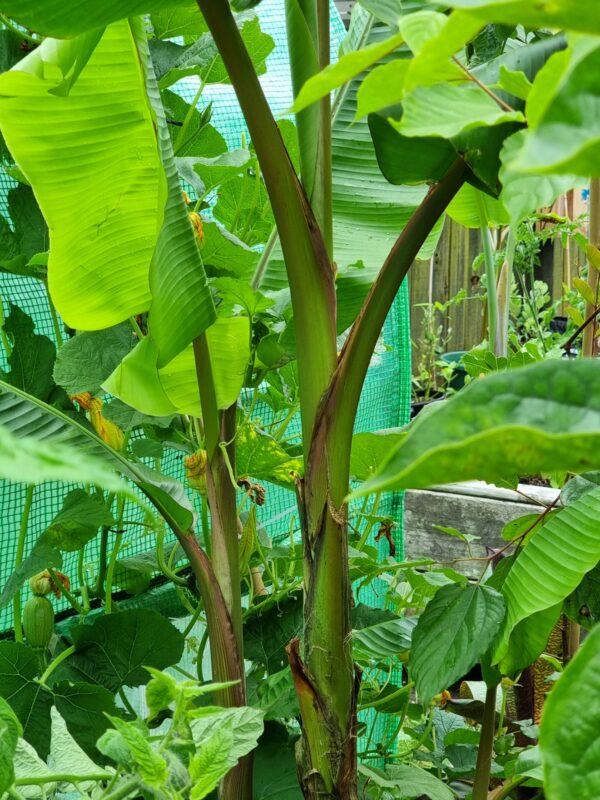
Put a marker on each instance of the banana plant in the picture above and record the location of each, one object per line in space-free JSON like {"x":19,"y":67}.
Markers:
{"x":136,"y":240}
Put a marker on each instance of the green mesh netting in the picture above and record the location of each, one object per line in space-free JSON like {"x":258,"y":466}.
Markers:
{"x":385,"y":401}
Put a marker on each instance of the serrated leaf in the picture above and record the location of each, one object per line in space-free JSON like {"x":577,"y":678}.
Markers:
{"x":212,"y":761}
{"x":452,"y":634}
{"x":32,"y":356}
{"x":84,"y":362}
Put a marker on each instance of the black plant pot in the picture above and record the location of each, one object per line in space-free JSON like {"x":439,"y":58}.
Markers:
{"x":419,"y":405}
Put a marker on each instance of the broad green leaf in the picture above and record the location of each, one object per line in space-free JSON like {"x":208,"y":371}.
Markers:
{"x":569,"y":738}
{"x":383,"y":86}
{"x":446,"y":110}
{"x":41,"y":558}
{"x":10,"y":730}
{"x":552,"y":564}
{"x":540,"y":418}
{"x":583,"y":605}
{"x":566,"y":14}
{"x":84,"y":362}
{"x":515,"y":82}
{"x":528,"y":640}
{"x":410,"y":781}
{"x":174,"y":387}
{"x":32,"y":356}
{"x":384,"y":640}
{"x":433,"y":39}
{"x":212,"y":761}
{"x":29,"y":700}
{"x":349,"y":66}
{"x":408,"y":159}
{"x":113,"y":651}
{"x":84,"y":708}
{"x":180,"y":20}
{"x":102,"y":206}
{"x":226,"y":255}
{"x":565,"y":132}
{"x":182,"y":306}
{"x":258,"y":455}
{"x":77,"y":522}
{"x":369,"y":449}
{"x":67,"y":19}
{"x":267,"y":633}
{"x":523,"y":193}
{"x":276,"y":696}
{"x":464,"y":208}
{"x":202,"y":58}
{"x":218,"y":170}
{"x":275,"y":775}
{"x":387,"y":11}
{"x":452,"y":634}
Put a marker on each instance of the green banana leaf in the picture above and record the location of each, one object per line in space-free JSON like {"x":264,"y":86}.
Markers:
{"x":174,"y":388}
{"x":102,"y":205}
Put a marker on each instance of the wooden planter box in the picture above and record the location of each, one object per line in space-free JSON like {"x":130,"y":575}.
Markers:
{"x":477,"y":508}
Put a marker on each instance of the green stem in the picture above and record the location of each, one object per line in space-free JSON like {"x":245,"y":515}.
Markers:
{"x":54,"y":317}
{"x":136,"y":328}
{"x":9,"y":25}
{"x":369,"y":524}
{"x":179,"y":140}
{"x":56,"y":662}
{"x":162,"y":564}
{"x":383,"y":700}
{"x":83,"y":587}
{"x":73,"y":602}
{"x":126,"y":703}
{"x":61,"y":777}
{"x":503,"y":291}
{"x":103,"y":553}
{"x":108,"y":602}
{"x":20,"y":552}
{"x":590,"y":333}
{"x":324,"y":209}
{"x":509,"y":787}
{"x":205,"y":525}
{"x":490,"y":273}
{"x":123,"y":791}
{"x":486,"y":746}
